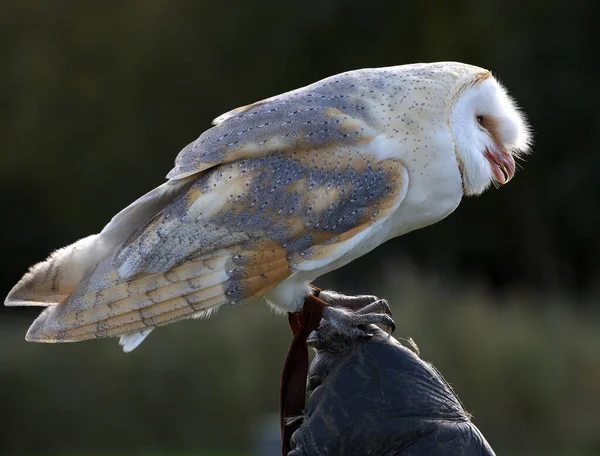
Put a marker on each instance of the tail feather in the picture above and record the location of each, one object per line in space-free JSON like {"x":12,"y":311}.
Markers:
{"x":131,"y":341}
{"x":52,"y":281}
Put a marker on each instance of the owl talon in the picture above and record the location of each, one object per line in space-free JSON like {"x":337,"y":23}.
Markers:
{"x":354,"y":324}
{"x":381,"y":306}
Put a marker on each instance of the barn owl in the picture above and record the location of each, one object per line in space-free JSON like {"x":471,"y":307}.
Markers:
{"x":280,"y":192}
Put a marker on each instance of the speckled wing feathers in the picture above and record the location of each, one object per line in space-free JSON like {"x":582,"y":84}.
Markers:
{"x":192,"y":289}
{"x":238,"y":231}
{"x":332,"y":112}
{"x":276,"y":187}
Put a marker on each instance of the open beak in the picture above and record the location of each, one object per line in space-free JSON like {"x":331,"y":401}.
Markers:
{"x":503,"y":165}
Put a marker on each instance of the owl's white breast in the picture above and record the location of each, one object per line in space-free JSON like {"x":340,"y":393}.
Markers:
{"x":414,"y":129}
{"x":434,"y":192}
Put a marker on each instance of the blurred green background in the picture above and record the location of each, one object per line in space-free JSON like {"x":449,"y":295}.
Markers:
{"x":97,"y":98}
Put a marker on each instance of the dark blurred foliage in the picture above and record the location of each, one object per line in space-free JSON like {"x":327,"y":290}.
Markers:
{"x":97,"y":98}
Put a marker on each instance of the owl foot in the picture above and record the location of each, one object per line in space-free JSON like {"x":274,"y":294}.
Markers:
{"x":336,"y":299}
{"x":350,"y":316}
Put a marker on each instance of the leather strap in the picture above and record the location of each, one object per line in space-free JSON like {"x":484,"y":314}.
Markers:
{"x":292,"y":398}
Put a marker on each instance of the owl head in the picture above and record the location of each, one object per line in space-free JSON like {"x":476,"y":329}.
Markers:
{"x":488,"y":129}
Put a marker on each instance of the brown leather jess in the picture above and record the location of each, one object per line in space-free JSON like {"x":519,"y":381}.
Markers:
{"x":292,"y":397}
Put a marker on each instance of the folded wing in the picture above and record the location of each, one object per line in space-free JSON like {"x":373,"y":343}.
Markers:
{"x":262,"y":195}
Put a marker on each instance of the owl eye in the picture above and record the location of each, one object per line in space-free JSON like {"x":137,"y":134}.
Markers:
{"x":479,"y":120}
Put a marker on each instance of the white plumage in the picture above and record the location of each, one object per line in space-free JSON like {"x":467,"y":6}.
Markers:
{"x":280,"y":192}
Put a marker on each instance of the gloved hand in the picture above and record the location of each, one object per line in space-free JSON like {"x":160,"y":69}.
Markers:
{"x":370,"y":395}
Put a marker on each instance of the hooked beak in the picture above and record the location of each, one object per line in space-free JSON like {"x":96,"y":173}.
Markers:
{"x":503,"y":165}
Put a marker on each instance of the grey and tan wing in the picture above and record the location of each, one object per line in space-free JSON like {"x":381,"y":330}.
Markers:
{"x":237,"y":232}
